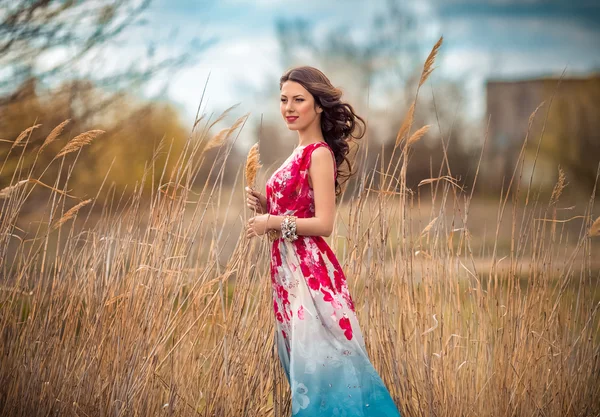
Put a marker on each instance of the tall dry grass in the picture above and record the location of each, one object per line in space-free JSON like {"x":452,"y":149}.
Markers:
{"x":129,"y":309}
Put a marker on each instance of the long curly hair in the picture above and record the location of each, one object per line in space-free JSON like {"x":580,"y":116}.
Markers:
{"x":338,"y":119}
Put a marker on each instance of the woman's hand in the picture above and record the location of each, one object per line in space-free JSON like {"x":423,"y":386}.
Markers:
{"x":256,"y":201}
{"x":257,"y":225}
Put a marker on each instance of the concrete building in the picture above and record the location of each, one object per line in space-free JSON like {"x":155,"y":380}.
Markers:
{"x":571,"y":135}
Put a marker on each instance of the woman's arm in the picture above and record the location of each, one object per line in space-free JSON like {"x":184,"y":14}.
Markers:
{"x":322,"y":176}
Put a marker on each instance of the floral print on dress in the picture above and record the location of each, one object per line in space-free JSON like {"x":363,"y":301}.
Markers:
{"x":319,"y":340}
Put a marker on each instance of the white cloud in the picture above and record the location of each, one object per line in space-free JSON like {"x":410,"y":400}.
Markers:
{"x":230,"y":64}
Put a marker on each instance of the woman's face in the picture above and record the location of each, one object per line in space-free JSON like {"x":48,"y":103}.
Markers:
{"x":297,"y":106}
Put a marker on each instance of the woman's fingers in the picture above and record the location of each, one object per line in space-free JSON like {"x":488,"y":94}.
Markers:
{"x":252,"y":199}
{"x":252,"y":193}
{"x":253,"y":203}
{"x":250,"y":232}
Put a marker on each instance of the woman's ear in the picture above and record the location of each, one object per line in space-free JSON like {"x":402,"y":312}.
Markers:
{"x":319,"y":109}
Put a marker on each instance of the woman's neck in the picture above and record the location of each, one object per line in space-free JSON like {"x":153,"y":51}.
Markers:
{"x":310,"y":135}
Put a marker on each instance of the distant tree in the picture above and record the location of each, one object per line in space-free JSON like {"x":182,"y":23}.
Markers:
{"x":120,"y":154}
{"x":55,"y":40}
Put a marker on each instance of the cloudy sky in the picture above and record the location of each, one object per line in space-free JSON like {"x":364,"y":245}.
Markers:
{"x":482,"y":39}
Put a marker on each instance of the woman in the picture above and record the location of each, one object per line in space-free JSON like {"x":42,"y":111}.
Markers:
{"x":319,"y":341}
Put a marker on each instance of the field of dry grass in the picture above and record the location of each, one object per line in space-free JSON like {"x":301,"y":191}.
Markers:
{"x":158,"y":305}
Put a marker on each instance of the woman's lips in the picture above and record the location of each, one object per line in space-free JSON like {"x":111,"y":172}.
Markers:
{"x":291,"y":119}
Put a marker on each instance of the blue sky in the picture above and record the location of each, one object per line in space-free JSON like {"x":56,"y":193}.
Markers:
{"x":482,"y":39}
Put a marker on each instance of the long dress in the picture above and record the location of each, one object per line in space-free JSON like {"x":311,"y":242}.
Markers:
{"x":319,"y":342}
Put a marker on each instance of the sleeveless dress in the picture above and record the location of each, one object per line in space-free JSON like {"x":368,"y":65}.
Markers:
{"x":319,"y":342}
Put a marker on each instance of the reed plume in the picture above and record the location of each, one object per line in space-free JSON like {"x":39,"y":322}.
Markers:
{"x":222,"y":116}
{"x":56,"y":132}
{"x":79,"y":141}
{"x":418,"y":135}
{"x":70,"y":214}
{"x":428,"y":66}
{"x":595,"y":229}
{"x":23,"y":135}
{"x":223,"y":134}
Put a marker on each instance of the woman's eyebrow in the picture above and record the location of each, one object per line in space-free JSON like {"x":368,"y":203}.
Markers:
{"x":297,"y":95}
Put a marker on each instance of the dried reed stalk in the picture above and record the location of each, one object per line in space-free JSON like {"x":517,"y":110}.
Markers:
{"x":8,"y":191}
{"x":448,"y":178}
{"x":429,"y":226}
{"x":408,"y":119}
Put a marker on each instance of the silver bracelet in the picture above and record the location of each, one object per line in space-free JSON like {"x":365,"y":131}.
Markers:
{"x":288,"y":228}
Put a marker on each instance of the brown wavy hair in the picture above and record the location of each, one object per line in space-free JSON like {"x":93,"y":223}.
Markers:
{"x":338,"y":119}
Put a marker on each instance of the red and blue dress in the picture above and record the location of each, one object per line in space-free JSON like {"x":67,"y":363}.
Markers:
{"x":319,"y":341}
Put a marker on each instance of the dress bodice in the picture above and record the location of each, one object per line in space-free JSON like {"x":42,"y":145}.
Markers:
{"x":288,"y":190}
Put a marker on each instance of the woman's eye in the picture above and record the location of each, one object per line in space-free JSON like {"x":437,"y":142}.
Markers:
{"x":300,"y":99}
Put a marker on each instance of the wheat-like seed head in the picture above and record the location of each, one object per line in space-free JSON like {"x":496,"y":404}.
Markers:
{"x":252,"y":165}
{"x":558,"y":187}
{"x":23,"y":135}
{"x":418,"y":135}
{"x":55,"y":133}
{"x":428,"y":67}
{"x":70,"y":214}
{"x":595,"y":229}
{"x":79,"y":141}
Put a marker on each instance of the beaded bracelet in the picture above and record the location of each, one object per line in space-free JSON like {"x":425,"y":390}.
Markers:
{"x":288,"y":228}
